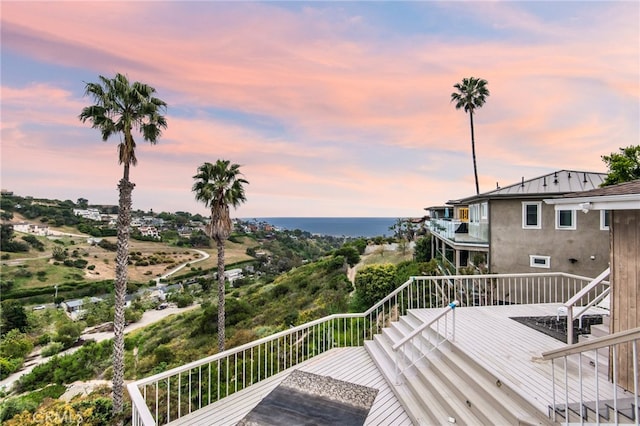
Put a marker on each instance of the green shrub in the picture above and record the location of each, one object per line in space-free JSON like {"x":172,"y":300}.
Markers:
{"x":8,"y":366}
{"x":163,"y":353}
{"x":279,"y":291}
{"x":182,"y":300}
{"x":52,"y":349}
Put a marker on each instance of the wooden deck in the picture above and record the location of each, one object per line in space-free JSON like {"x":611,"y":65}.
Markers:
{"x":349,"y":364}
{"x":512,"y":351}
{"x":488,"y":335}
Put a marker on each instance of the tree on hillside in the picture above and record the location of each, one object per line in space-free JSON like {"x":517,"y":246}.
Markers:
{"x":471,"y":94}
{"x":623,"y":166}
{"x":122,"y":108}
{"x":220,"y":186}
{"x":13,"y":316}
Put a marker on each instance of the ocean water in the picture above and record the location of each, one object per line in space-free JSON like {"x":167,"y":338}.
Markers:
{"x":336,"y":226}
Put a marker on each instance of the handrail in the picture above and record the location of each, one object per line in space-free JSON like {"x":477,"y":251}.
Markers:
{"x":450,"y":309}
{"x":579,"y":295}
{"x":451,"y":306}
{"x":620,"y":381}
{"x":593,"y":344}
{"x":244,"y":347}
{"x":576,"y":298}
{"x":591,"y":304}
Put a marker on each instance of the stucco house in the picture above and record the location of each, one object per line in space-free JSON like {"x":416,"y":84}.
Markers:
{"x":511,"y":229}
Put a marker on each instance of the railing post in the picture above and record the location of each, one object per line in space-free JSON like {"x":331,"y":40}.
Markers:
{"x":570,"y":325}
{"x":453,"y":305}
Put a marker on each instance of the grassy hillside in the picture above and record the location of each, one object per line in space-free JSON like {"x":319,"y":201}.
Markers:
{"x":37,"y":270}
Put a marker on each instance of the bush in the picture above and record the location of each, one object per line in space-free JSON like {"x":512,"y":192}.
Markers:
{"x":52,"y":349}
{"x":8,"y":366}
{"x":108,"y":245}
{"x":14,"y":406}
{"x":182,"y":300}
{"x":279,"y":291}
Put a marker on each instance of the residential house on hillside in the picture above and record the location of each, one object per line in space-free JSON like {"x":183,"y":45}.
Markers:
{"x":30,"y":228}
{"x":74,"y":308}
{"x":511,"y":229}
{"x":91,"y":214}
{"x":617,"y":206}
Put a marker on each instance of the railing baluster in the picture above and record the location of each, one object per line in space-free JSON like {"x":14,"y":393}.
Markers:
{"x":615,"y":382}
{"x":634,"y":351}
{"x":566,"y":393}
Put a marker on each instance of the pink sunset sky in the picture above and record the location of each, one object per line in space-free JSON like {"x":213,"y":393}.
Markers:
{"x":330,"y":108}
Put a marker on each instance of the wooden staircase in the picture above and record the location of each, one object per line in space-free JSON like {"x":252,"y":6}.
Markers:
{"x":447,"y":386}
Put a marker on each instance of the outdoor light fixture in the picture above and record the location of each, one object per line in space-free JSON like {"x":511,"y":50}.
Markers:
{"x":585,"y":207}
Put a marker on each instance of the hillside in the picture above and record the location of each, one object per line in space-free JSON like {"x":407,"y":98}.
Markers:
{"x":32,"y":272}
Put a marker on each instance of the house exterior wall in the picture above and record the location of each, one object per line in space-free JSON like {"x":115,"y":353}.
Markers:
{"x":625,"y":276}
{"x":511,"y":245}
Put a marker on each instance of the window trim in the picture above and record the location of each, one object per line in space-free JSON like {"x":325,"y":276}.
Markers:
{"x":484,"y":210}
{"x":534,"y":257}
{"x":571,"y":227}
{"x":538,"y":205}
{"x":603,"y":224}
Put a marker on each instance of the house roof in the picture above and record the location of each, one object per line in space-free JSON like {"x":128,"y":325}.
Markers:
{"x":550,"y":185}
{"x":623,"y":196}
{"x":625,"y":188}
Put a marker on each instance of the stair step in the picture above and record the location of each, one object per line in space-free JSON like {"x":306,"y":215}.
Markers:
{"x":414,"y":406}
{"x":511,"y":403}
{"x":449,"y":384}
{"x":436,"y":399}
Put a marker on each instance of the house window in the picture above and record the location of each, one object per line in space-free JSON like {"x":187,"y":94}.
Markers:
{"x":565,"y":219}
{"x":474,"y":213}
{"x":531,"y":215}
{"x":464,"y":214}
{"x":605,"y":217}
{"x":484,"y":209}
{"x":536,"y":261}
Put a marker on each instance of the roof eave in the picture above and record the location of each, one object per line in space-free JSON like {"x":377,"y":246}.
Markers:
{"x":603,"y":202}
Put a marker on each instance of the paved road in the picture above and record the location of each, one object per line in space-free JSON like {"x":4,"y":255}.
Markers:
{"x":148,"y":318}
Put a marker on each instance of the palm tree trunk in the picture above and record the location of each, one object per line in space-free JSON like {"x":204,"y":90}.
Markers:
{"x":122,"y":259}
{"x":221,"y":313}
{"x":473,"y":152}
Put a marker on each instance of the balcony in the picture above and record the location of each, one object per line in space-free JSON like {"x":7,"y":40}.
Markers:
{"x":488,"y":367}
{"x":475,"y":234}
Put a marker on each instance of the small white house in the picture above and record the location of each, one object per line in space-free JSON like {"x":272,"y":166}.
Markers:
{"x":233,"y":274}
{"x":73,"y":308}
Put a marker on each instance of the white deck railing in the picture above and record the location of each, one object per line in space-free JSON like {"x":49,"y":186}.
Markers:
{"x":620,"y":373}
{"x":167,"y":396}
{"x":418,"y":344}
{"x":596,"y":290}
{"x":444,"y":227}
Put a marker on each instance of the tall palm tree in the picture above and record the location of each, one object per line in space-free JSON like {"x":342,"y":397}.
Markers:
{"x":219,"y":186}
{"x":121,"y":108}
{"x":471,"y":94}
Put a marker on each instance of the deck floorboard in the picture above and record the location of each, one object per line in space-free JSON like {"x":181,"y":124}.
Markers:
{"x":349,"y":364}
